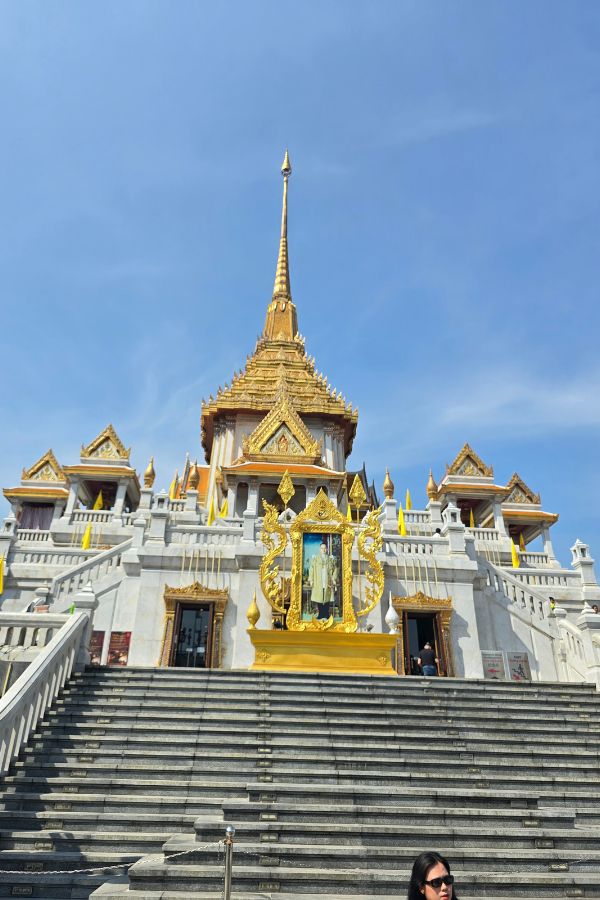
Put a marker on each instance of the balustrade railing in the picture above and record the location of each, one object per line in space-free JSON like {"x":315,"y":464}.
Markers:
{"x":177,"y":505}
{"x":26,"y":702}
{"x":202,"y":536}
{"x":49,"y":556}
{"x":90,"y":570}
{"x":79,"y":516}
{"x":33,"y":535}
{"x":517,"y":592}
{"x":27,"y":630}
{"x":562,"y":578}
{"x":531,"y":558}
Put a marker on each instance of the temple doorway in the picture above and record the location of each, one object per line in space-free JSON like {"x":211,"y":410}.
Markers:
{"x":419,"y":628}
{"x":193,"y":627}
{"x":421,"y":619}
{"x":193,"y":637}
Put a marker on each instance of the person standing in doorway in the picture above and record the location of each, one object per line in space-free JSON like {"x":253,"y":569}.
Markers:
{"x":428,"y":660}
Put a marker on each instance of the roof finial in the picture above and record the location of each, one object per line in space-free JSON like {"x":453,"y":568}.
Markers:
{"x":282,"y":273}
{"x":281,"y":323}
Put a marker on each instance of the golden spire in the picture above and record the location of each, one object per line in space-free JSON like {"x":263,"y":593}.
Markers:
{"x":194,"y":478}
{"x":149,"y":474}
{"x":431,"y":487}
{"x":388,"y":486}
{"x":281,"y":323}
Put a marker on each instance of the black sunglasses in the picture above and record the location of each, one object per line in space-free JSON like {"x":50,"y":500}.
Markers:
{"x":438,"y":882}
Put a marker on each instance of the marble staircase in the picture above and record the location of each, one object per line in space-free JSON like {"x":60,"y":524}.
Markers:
{"x":334,"y":784}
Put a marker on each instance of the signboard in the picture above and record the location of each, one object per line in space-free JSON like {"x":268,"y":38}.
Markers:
{"x":96,"y":645}
{"x":118,"y":649}
{"x":518,"y":667}
{"x":493,"y":665}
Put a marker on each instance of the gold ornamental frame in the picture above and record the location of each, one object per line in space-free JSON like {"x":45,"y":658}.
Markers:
{"x":195,"y":594}
{"x":441,"y":607}
{"x":321,"y":517}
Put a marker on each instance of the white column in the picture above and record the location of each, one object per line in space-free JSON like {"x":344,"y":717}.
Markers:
{"x":548,"y":548}
{"x":72,"y":499}
{"x":119,"y":501}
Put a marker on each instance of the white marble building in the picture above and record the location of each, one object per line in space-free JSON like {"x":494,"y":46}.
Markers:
{"x":172,"y":575}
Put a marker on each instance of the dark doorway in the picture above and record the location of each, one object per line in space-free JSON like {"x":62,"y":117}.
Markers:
{"x":193,"y":636}
{"x":418,"y":629}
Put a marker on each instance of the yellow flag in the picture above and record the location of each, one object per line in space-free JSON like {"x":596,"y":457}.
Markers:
{"x":99,"y":502}
{"x":408,"y":500}
{"x":1,"y":574}
{"x":211,"y":513}
{"x":87,"y":537}
{"x":471,"y":519}
{"x":224,"y":509}
{"x":173,"y":488}
{"x":522,"y":542}
{"x":349,"y":513}
{"x":401,"y":522}
{"x":516,"y":562}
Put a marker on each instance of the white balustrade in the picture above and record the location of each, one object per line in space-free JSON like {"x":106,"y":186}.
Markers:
{"x":27,"y":630}
{"x":49,"y":556}
{"x":89,"y":570}
{"x":486,"y":535}
{"x":530,"y":558}
{"x":33,"y":535}
{"x":26,"y":702}
{"x":177,"y":505}
{"x":79,"y":516}
{"x":202,"y":535}
{"x":550,"y":578}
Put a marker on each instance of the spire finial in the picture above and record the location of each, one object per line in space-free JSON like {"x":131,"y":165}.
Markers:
{"x":282,"y":273}
{"x":281,"y":321}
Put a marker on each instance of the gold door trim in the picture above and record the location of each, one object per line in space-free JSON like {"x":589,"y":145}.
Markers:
{"x":191,"y":595}
{"x":420,"y":602}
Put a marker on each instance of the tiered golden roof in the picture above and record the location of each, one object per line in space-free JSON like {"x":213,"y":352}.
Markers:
{"x":280,"y":359}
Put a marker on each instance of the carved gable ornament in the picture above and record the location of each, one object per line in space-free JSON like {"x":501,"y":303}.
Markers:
{"x":518,"y":492}
{"x":468,"y":463}
{"x":282,"y":435}
{"x":107,"y":445}
{"x":46,"y":468}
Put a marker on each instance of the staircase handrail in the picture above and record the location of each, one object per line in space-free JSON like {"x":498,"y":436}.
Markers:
{"x":503,"y":575}
{"x":27,"y":700}
{"x":92,"y":562}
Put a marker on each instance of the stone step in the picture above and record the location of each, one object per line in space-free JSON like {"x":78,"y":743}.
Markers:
{"x":60,"y":820}
{"x":108,"y":735}
{"x":200,"y":879}
{"x":390,"y":857}
{"x":330,"y":705}
{"x":101,"y":802}
{"x":97,"y":842}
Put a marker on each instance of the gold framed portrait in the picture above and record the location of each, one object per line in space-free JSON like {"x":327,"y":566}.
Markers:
{"x":321,"y":577}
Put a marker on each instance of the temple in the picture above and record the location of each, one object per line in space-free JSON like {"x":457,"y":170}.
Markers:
{"x":269,"y":552}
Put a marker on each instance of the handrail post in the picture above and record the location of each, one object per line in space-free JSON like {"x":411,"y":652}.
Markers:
{"x":229,"y":835}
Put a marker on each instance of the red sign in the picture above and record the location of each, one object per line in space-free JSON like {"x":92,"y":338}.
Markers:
{"x":96,"y":645}
{"x":118,"y":649}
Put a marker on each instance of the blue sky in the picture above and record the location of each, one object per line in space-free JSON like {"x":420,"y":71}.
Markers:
{"x":444,"y":226}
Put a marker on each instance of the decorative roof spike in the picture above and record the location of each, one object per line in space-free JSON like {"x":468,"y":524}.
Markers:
{"x":149,"y":474}
{"x":388,"y":486}
{"x":281,"y":322}
{"x":432,"y":487}
{"x":194,"y":479}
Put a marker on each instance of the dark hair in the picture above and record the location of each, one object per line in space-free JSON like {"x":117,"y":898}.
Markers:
{"x":421,"y":866}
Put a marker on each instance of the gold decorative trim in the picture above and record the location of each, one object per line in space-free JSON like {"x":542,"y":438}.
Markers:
{"x":518,"y":492}
{"x":107,"y":445}
{"x":420,"y":602}
{"x":469,"y":463}
{"x":195,"y":593}
{"x":47,"y":468}
{"x":300,"y":445}
{"x":321,"y":517}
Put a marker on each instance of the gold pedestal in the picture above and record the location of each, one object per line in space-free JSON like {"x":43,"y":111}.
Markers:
{"x":330,"y":652}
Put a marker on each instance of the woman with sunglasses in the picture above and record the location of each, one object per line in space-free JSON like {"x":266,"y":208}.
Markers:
{"x":431,"y":879}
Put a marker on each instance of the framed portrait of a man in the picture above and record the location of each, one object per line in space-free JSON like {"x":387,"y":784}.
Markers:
{"x":321,"y":577}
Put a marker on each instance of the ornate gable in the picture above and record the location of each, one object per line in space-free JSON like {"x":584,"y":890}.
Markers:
{"x":518,"y":492}
{"x":282,"y":435}
{"x":46,"y":468}
{"x":107,"y":445}
{"x":469,"y":464}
